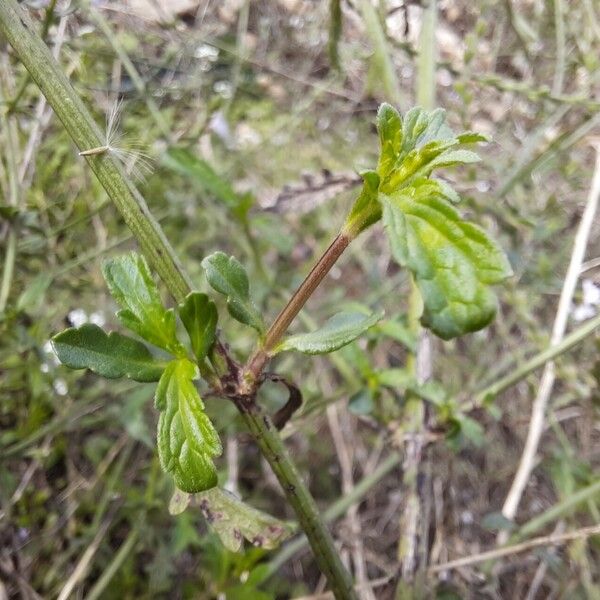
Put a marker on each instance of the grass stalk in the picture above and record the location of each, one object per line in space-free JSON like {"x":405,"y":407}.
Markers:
{"x":534,"y":363}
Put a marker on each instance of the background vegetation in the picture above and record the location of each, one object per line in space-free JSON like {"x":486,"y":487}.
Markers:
{"x":277,"y":99}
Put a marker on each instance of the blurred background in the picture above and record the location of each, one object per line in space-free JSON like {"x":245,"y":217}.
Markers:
{"x":257,"y":118}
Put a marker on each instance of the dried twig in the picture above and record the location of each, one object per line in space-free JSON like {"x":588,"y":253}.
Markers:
{"x":546,"y":540}
{"x":536,"y":425}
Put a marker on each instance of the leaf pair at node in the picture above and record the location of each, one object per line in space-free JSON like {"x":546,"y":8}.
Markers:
{"x":452,"y":261}
{"x":187,"y":440}
{"x":228,"y":277}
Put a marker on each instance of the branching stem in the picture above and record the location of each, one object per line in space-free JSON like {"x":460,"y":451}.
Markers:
{"x":259,"y":358}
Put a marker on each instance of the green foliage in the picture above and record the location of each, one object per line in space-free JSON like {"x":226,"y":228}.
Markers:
{"x":199,"y":316}
{"x":453,"y":262}
{"x":227,"y":276}
{"x":111,"y":355}
{"x":131,"y":285}
{"x":187,"y":441}
{"x":337,"y":332}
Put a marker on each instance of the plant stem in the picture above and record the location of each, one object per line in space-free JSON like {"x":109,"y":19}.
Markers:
{"x":547,"y":540}
{"x":9,"y":267}
{"x":45,"y":71}
{"x":337,"y":509}
{"x":413,"y":420}
{"x":20,"y":32}
{"x":534,"y":363}
{"x":135,"y":77}
{"x":260,"y":357}
{"x":558,"y":510}
{"x":120,"y":557}
{"x":300,"y":499}
{"x":48,"y":18}
{"x":542,"y":398}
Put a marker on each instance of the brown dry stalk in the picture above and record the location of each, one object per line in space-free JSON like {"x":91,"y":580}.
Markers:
{"x":547,"y":540}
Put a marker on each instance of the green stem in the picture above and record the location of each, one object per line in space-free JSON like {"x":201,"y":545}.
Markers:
{"x":335,"y":32}
{"x":558,"y":510}
{"x":337,"y":509}
{"x":9,"y":267}
{"x":534,"y":363}
{"x":120,"y":557}
{"x":300,"y":499}
{"x":45,"y":71}
{"x":20,"y":32}
{"x":48,"y":18}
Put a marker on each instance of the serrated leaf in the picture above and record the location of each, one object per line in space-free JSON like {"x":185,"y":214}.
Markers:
{"x":131,"y":285}
{"x":233,"y":520}
{"x":180,"y":159}
{"x":113,"y":355}
{"x":227,"y":276}
{"x":453,"y":262}
{"x":199,"y":316}
{"x":186,"y":438}
{"x":411,"y":148}
{"x":389,"y":127}
{"x":338,"y":331}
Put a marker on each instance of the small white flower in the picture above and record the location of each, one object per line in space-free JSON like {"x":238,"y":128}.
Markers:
{"x":78,"y":317}
{"x":591,"y":292}
{"x":60,"y":387}
{"x":97,"y":318}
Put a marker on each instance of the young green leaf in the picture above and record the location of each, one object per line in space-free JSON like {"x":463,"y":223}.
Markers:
{"x":338,"y":331}
{"x":199,"y":316}
{"x":410,"y":150}
{"x":131,"y":285}
{"x":453,"y":261}
{"x":233,"y":520}
{"x":186,"y":438}
{"x":367,"y":209}
{"x":227,"y":276}
{"x":113,"y":355}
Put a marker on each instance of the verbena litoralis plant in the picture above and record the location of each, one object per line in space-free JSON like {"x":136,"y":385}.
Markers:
{"x":453,"y":263}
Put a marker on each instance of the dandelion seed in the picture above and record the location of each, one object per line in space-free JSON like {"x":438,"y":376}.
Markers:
{"x":130,"y":155}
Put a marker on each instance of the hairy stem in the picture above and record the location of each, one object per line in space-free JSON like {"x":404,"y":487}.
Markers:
{"x":45,"y":71}
{"x":337,"y":509}
{"x":300,"y":499}
{"x":20,"y":32}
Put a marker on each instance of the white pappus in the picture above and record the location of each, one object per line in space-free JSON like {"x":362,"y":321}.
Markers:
{"x":130,"y":155}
